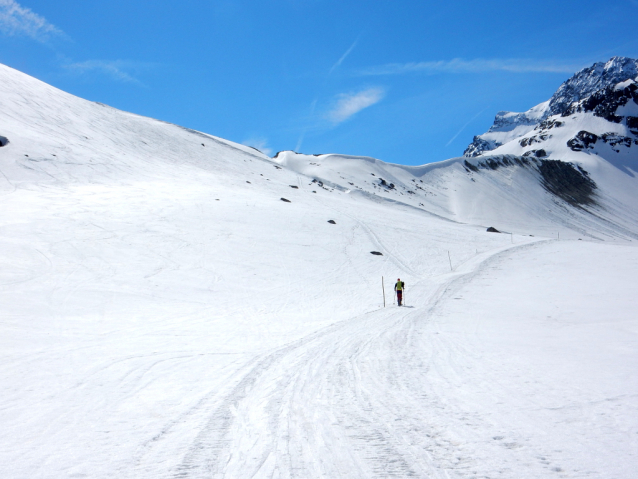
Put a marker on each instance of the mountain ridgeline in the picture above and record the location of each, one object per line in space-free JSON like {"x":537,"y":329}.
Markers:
{"x":596,"y":83}
{"x":568,"y":164}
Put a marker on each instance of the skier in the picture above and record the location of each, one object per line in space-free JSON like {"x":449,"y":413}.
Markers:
{"x":399,"y":287}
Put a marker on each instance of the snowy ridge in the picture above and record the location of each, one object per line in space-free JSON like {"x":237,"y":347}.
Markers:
{"x":509,"y":126}
{"x":475,"y":190}
{"x":56,"y":137}
{"x":175,"y":305}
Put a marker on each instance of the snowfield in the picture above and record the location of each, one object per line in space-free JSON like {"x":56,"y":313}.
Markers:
{"x":164,"y":314}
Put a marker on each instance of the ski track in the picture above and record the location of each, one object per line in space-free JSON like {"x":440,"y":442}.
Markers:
{"x":313,"y":409}
{"x":392,"y":256}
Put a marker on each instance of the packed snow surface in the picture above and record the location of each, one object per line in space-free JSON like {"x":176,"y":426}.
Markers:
{"x":164,"y":314}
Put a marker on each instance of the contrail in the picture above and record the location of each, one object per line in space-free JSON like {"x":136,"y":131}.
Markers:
{"x":343,"y":57}
{"x":464,"y":126}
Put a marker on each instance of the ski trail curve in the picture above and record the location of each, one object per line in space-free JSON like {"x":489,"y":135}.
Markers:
{"x":354,"y":400}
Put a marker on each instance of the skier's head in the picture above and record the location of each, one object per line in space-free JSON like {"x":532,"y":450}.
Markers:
{"x":398,"y":279}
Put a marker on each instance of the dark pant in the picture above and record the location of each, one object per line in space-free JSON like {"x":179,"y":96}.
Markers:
{"x":399,"y":296}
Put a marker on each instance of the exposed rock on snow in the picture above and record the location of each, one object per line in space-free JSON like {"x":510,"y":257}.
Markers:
{"x":605,"y":103}
{"x":479,"y":145}
{"x":582,"y":141}
{"x":537,"y":153}
{"x":562,"y":179}
{"x":385,"y":184}
{"x":590,"y":80}
{"x":565,"y":181}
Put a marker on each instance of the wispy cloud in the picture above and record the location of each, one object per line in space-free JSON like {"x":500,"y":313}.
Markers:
{"x":349,"y":104}
{"x":260,"y":144}
{"x":17,"y":20}
{"x":343,"y":57}
{"x":459,"y":65}
{"x":118,"y":70}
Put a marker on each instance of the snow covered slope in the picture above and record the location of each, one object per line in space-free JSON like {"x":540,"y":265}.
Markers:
{"x":513,"y":191}
{"x":177,"y":305}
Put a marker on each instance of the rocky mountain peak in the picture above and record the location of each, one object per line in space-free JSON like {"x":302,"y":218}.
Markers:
{"x":508,"y":125}
{"x":591,"y":79}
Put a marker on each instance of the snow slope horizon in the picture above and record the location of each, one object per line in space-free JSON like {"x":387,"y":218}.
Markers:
{"x":450,"y":189}
{"x":570,"y":162}
{"x":165,"y":314}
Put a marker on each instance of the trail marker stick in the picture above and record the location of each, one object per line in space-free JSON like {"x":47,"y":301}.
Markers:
{"x":383,"y":288}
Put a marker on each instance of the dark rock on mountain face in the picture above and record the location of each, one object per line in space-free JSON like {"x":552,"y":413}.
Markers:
{"x":613,"y":140}
{"x":586,"y":140}
{"x":534,"y":139}
{"x":564,"y":180}
{"x":389,"y":186}
{"x":501,"y":161}
{"x":470,"y":166}
{"x":582,"y":141}
{"x":549,"y":124}
{"x":378,"y":253}
{"x":605,"y":102}
{"x":589,"y":80}
{"x":491,"y":229}
{"x":568,"y":183}
{"x":3,"y":141}
{"x":478,"y":146}
{"x":537,"y":153}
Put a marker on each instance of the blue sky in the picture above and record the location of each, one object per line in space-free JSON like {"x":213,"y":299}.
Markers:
{"x":405,"y":81}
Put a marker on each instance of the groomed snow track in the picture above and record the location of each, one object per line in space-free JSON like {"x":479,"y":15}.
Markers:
{"x":353,"y":400}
